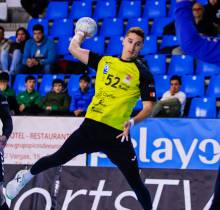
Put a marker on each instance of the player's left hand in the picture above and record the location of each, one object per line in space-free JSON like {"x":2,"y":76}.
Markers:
{"x":125,"y":134}
{"x":3,"y":141}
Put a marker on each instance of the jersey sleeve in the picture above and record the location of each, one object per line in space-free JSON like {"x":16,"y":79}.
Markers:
{"x":5,"y":117}
{"x":94,"y":60}
{"x":147,"y":88}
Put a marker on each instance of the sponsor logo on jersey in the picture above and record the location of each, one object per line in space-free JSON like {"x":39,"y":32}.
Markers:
{"x":127,"y":79}
{"x":106,"y":69}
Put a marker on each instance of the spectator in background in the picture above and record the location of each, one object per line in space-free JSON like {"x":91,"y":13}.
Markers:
{"x":204,"y":25}
{"x":212,"y":11}
{"x":82,"y":97}
{"x":56,"y":102}
{"x":8,"y":92}
{"x":172,"y":102}
{"x":29,"y":101}
{"x":12,"y":56}
{"x":39,"y":53}
{"x":4,"y":43}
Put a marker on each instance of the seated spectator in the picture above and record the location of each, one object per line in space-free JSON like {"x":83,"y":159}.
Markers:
{"x":172,"y":102}
{"x":4,"y":43}
{"x":82,"y":97}
{"x":12,"y":57}
{"x":8,"y":92}
{"x":56,"y":102}
{"x":204,"y":25}
{"x":39,"y":53}
{"x":212,"y":11}
{"x":29,"y":101}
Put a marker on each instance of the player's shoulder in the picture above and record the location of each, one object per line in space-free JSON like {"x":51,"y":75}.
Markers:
{"x":143,"y":68}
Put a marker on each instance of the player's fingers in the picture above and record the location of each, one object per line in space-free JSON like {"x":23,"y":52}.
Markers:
{"x":123,"y":138}
{"x":120,"y":135}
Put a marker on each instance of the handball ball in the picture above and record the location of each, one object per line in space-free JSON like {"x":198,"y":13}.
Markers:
{"x":87,"y":25}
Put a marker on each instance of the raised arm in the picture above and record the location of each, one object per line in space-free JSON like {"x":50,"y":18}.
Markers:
{"x":191,"y":42}
{"x":75,"y":47}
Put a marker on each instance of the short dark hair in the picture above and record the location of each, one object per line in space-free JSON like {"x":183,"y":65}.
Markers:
{"x":58,"y":81}
{"x":38,"y":27}
{"x":30,"y":77}
{"x":137,"y":30}
{"x":176,"y":77}
{"x":1,"y":28}
{"x":85,"y":78}
{"x":4,"y":76}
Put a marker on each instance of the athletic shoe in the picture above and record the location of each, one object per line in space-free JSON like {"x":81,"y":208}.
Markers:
{"x":15,"y":185}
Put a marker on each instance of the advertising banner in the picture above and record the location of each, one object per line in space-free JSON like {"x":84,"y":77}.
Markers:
{"x":35,"y":137}
{"x":95,"y":188}
{"x":173,"y":143}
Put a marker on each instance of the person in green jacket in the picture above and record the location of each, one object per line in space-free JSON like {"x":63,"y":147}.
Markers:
{"x":56,"y":102}
{"x":8,"y":92}
{"x":29,"y":101}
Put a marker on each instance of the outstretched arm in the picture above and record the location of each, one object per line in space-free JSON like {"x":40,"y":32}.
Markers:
{"x":190,"y":40}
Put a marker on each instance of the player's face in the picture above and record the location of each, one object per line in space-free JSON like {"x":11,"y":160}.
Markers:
{"x":83,"y":85}
{"x":174,"y":86}
{"x":3,"y":85}
{"x":57,"y":87}
{"x":132,"y":45}
{"x":38,"y":36}
{"x":30,"y":85}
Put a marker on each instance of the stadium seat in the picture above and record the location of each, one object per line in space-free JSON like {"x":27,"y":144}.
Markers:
{"x":69,"y":57}
{"x":193,"y":86}
{"x":162,"y":84}
{"x":207,"y":69}
{"x":169,"y":41}
{"x":214,"y":87}
{"x":203,"y":108}
{"x":155,"y":9}
{"x":57,"y":9}
{"x":105,"y":9}
{"x":46,"y":82}
{"x":80,"y":9}
{"x":19,"y":83}
{"x":150,"y":45}
{"x":171,"y":11}
{"x":114,"y":46}
{"x":73,"y":83}
{"x":62,"y":45}
{"x":111,"y":27}
{"x":159,"y":24}
{"x":32,"y":22}
{"x":95,"y":44}
{"x":62,"y":27}
{"x":130,"y":9}
{"x":138,"y":105}
{"x":156,"y":63}
{"x":181,"y":65}
{"x":138,"y":22}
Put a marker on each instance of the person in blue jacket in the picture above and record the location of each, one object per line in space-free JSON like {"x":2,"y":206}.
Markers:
{"x":82,"y":97}
{"x":201,"y":47}
{"x":6,"y":132}
{"x":39,"y":53}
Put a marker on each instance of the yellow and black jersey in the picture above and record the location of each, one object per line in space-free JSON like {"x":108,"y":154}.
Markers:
{"x":119,"y":84}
